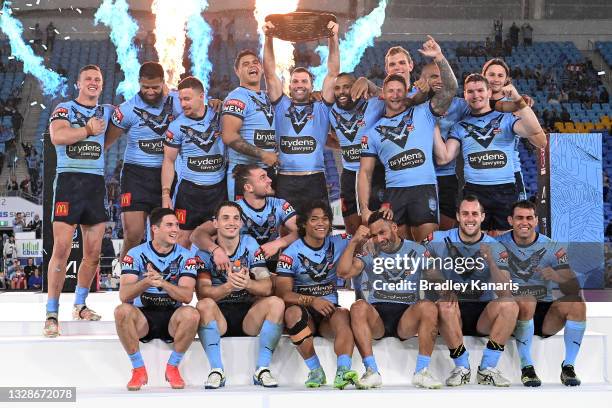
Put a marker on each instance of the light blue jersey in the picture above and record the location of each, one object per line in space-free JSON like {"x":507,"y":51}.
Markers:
{"x":264,"y":224}
{"x":457,"y":111}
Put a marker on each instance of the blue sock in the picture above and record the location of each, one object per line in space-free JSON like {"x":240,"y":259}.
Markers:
{"x":52,"y":305}
{"x":211,"y":342}
{"x":313,"y":362}
{"x":80,"y":295}
{"x":460,"y":356}
{"x":344,"y":360}
{"x":175,"y":358}
{"x":370,"y":362}
{"x":573,"y":333}
{"x":268,"y":339}
{"x":136,"y":359}
{"x":422,"y":362}
{"x":523,"y":333}
{"x":491,"y":355}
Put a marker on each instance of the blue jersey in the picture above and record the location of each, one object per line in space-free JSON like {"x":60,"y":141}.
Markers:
{"x":87,"y":155}
{"x":524,"y":261}
{"x":202,"y":151}
{"x":145,"y":126}
{"x":264,"y":223}
{"x":250,"y":257}
{"x":404,"y":144}
{"x":516,"y":158}
{"x":348,"y":123}
{"x":302,"y":133}
{"x":172,"y":266}
{"x":398,"y":284}
{"x":487,"y":142}
{"x":313,"y":269}
{"x":461,"y":262}
{"x":457,"y":111}
{"x":257,"y":114}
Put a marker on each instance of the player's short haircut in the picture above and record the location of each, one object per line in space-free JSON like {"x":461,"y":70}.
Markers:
{"x":471,"y":198}
{"x":376,"y":216}
{"x":227,"y":204}
{"x":349,"y":75}
{"x":395,"y":77}
{"x":476,"y":78}
{"x":397,"y":50}
{"x":244,"y":53}
{"x":191,"y":82}
{"x":89,"y":67}
{"x":306,"y":211}
{"x":430,"y":64}
{"x":496,"y":61}
{"x":157,"y":214}
{"x":242,"y":171}
{"x":526,"y":204}
{"x":297,"y":70}
{"x":151,"y":70}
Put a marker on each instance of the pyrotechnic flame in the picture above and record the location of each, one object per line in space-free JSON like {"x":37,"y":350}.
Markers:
{"x":201,"y":37}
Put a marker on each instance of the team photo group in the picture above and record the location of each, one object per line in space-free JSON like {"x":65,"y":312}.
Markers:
{"x":229,"y":199}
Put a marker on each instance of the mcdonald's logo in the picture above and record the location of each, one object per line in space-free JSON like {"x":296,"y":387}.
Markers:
{"x":62,"y":208}
{"x":126,"y":199}
{"x":181,"y":215}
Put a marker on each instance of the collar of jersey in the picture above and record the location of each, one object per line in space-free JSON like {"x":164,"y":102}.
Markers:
{"x":301,"y":103}
{"x":159,"y":253}
{"x":399,"y":247}
{"x":253,"y":208}
{"x":235,"y":250}
{"x":85,"y":106}
{"x":250,"y":90}
{"x":524,"y":246}
{"x":161,"y":101}
{"x":482,"y":235}
{"x":397,"y":114}
{"x":199,"y":118}
{"x":313,"y":248}
{"x":480,"y":115}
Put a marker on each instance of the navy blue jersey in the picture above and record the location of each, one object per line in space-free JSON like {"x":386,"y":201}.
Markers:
{"x":87,"y":155}
{"x":145,"y":126}
{"x":250,"y":256}
{"x":488,"y":143}
{"x":399,"y":283}
{"x":264,"y":223}
{"x":457,"y":111}
{"x":461,"y":262}
{"x":313,"y":269}
{"x":257,"y":114}
{"x":172,"y":266}
{"x":202,"y":151}
{"x":302,"y":133}
{"x":523,"y":264}
{"x":404,"y":144}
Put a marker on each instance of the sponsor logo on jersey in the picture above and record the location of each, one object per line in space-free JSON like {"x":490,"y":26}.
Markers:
{"x":406,"y":160}
{"x":126,"y":199}
{"x":62,"y":208}
{"x":193,"y":264}
{"x":151,"y":146}
{"x":234,"y":106}
{"x":205,"y":164}
{"x":117,"y":116}
{"x":287,"y":208}
{"x":169,"y":136}
{"x":561,"y":256}
{"x":364,"y":142}
{"x":60,"y":113}
{"x":127,"y":262}
{"x":352,"y":153}
{"x":285,"y":262}
{"x":181,"y":215}
{"x":299,"y":118}
{"x":494,"y":159}
{"x":264,"y":139}
{"x":84,"y":150}
{"x":298,"y":144}
{"x":259,"y":257}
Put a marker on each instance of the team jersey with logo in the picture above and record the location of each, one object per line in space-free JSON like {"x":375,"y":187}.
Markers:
{"x":257,"y":114}
{"x":488,"y":143}
{"x":516,"y":158}
{"x":457,"y":111}
{"x":172,"y":266}
{"x":347,"y":123}
{"x":145,"y":126}
{"x":250,"y":257}
{"x":313,"y":269}
{"x":202,"y":151}
{"x":302,"y":133}
{"x":404,"y":144}
{"x":264,"y":223}
{"x":524,"y":262}
{"x":399,"y":283}
{"x":87,"y":155}
{"x":461,"y":261}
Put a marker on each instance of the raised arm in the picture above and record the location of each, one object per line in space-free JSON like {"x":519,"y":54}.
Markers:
{"x":349,"y":265}
{"x":441,"y":101}
{"x":273,"y":82}
{"x":528,"y":125}
{"x":333,"y":64}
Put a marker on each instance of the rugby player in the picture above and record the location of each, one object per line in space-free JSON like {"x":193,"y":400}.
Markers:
{"x":157,"y":282}
{"x":77,"y":130}
{"x":237,"y":301}
{"x":394,"y":306}
{"x":538,"y":264}
{"x":196,"y":137}
{"x":306,"y":281}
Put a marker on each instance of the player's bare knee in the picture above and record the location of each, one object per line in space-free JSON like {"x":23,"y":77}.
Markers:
{"x":526,"y":310}
{"x":123,"y":312}
{"x":359,"y":310}
{"x":447,"y":311}
{"x":508,"y":309}
{"x":190,"y":316}
{"x":293,"y":314}
{"x":429,"y":311}
{"x":205,"y":307}
{"x":275,"y":305}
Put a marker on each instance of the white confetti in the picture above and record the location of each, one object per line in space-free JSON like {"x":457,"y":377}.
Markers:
{"x":43,"y":106}
{"x":33,"y":103}
{"x":28,"y":4}
{"x":37,"y":2}
{"x":11,"y":57}
{"x":67,"y":37}
{"x":79,"y":11}
{"x":56,"y":32}
{"x":74,"y":29}
{"x":44,"y":46}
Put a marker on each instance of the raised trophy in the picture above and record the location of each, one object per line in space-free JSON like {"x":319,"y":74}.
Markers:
{"x":301,"y":26}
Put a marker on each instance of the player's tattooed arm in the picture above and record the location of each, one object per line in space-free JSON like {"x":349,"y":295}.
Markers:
{"x":349,"y":265}
{"x":231,"y":137}
{"x":442,"y":99}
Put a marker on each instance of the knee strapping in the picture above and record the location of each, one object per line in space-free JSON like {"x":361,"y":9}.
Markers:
{"x":300,"y":330}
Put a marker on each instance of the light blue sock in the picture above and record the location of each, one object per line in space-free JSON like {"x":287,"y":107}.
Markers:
{"x":136,"y":359}
{"x":80,"y":295}
{"x":523,"y":334}
{"x":422,"y":362}
{"x":175,"y":358}
{"x":573,"y":333}
{"x":344,"y":360}
{"x":370,"y":362}
{"x":491,"y":354}
{"x":313,"y":362}
{"x":52,"y":305}
{"x":268,"y":339}
{"x":463,"y":360}
{"x":211,"y":342}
